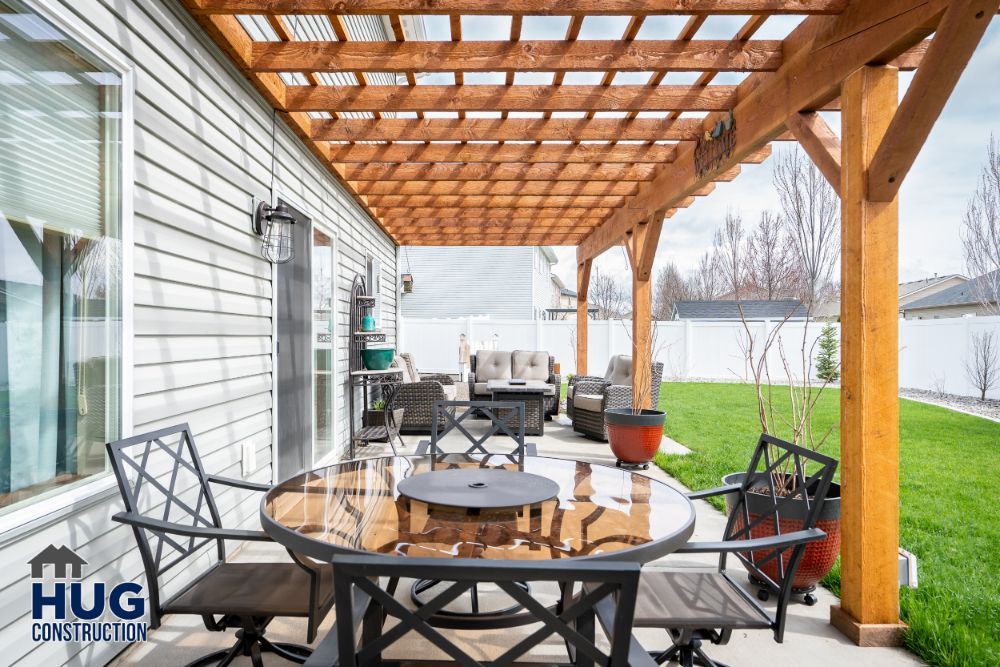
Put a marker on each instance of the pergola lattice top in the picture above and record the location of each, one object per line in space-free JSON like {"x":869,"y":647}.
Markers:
{"x":507,"y":163}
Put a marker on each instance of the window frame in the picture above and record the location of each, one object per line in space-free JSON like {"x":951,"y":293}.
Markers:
{"x":102,"y":485}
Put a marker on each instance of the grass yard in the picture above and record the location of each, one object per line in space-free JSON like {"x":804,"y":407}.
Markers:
{"x":948,"y":486}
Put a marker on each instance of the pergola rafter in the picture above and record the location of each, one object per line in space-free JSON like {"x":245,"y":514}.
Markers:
{"x":603,"y":165}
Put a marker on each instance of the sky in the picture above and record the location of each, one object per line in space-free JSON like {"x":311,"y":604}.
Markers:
{"x":932,"y":199}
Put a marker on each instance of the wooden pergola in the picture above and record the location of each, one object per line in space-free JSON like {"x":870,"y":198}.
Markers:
{"x":598,"y":182}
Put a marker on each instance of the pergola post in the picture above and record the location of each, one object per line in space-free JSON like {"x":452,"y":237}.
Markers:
{"x":582,"y":319}
{"x":641,"y":246}
{"x":869,"y":408}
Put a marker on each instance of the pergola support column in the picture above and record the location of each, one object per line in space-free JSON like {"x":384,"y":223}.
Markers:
{"x":641,"y":247}
{"x":582,"y":319}
{"x":869,"y":408}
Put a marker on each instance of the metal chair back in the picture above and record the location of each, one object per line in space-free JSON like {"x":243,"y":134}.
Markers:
{"x":500,"y":413}
{"x":160,"y":476}
{"x":356,"y":578}
{"x":780,"y":481}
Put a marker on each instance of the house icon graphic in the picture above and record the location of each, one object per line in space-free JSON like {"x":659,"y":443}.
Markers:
{"x":60,"y":558}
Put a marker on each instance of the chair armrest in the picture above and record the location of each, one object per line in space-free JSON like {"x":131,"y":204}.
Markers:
{"x":756,"y":544}
{"x":591,"y":387}
{"x":239,"y":483}
{"x":555,"y":379}
{"x":617,"y":396}
{"x":587,"y":378}
{"x":708,"y":493}
{"x":140,"y":521}
{"x":411,"y":392}
{"x":436,"y":377}
{"x":328,"y":651}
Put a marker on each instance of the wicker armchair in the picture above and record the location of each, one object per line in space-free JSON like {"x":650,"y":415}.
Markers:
{"x":590,"y":396}
{"x":418,"y":393}
{"x":508,"y":358}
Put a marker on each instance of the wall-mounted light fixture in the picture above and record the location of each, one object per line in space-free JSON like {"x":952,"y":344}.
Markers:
{"x":407,"y":282}
{"x":274,"y":225}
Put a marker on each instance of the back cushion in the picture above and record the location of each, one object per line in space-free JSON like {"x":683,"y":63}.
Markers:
{"x":399,"y":362}
{"x":492,"y":365}
{"x":411,"y":368}
{"x":530,"y":365}
{"x":620,"y":370}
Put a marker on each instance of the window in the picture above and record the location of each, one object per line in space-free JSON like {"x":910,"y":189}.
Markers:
{"x":60,"y":258}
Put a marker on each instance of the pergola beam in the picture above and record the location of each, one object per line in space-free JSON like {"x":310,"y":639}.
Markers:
{"x":521,"y":56}
{"x":506,"y":129}
{"x":563,"y":153}
{"x":518,"y":7}
{"x":507,"y":98}
{"x":820,"y":143}
{"x":511,"y":207}
{"x":508,"y":188}
{"x":819,"y":54}
{"x":505,"y":171}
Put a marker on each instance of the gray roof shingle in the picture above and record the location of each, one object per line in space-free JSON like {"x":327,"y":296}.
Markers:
{"x":730,"y":310}
{"x":960,"y":295}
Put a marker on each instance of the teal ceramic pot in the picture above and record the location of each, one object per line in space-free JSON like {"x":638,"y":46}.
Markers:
{"x":368,"y":323}
{"x":378,"y":359}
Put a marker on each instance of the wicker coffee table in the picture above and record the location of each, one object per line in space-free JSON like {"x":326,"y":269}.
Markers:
{"x":532,"y":393}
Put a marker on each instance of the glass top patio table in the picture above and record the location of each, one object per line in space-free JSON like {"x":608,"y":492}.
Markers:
{"x":599,"y":512}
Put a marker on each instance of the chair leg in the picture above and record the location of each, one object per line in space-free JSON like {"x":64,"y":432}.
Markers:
{"x":250,"y":641}
{"x":688,"y":655}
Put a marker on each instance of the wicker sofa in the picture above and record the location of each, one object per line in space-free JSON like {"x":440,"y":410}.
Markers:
{"x":418,"y":393}
{"x":588,"y":396}
{"x":489,"y":365}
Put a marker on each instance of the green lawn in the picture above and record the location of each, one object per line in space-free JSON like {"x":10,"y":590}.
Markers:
{"x":948,"y":486}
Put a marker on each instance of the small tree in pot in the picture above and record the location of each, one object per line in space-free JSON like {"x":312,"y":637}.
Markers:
{"x":791,"y":410}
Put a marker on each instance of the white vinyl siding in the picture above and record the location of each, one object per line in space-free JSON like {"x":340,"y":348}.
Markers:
{"x":202,"y":294}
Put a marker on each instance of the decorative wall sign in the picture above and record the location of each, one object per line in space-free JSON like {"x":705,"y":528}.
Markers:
{"x":717,"y":144}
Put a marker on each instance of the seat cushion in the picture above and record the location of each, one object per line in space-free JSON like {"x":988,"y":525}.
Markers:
{"x":492,"y":365}
{"x":479,"y":389}
{"x":530,"y":365}
{"x":588,"y":402}
{"x":259,"y":589}
{"x":688,"y":599}
{"x":619,"y":370}
{"x":450,"y":391}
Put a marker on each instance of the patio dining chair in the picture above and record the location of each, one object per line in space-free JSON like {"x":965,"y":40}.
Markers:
{"x":173,"y":514}
{"x":362,"y":602}
{"x":506,"y":419}
{"x":768,"y":540}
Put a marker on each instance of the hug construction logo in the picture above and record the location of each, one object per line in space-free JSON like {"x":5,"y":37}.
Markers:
{"x":64,"y":609}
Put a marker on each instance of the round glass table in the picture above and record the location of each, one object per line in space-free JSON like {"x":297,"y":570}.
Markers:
{"x":598,"y":512}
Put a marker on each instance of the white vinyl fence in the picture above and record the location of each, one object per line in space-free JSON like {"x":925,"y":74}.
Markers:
{"x":932,"y":353}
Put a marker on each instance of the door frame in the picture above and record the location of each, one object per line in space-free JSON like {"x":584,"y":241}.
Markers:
{"x":280,"y":194}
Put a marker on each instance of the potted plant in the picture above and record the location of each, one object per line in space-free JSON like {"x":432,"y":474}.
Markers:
{"x":795,"y":415}
{"x":375,"y":415}
{"x":635,"y":433}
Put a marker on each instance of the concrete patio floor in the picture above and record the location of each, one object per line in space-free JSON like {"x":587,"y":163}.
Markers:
{"x":809,"y":637}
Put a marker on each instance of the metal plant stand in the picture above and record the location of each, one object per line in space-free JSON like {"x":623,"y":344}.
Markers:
{"x":387,"y":381}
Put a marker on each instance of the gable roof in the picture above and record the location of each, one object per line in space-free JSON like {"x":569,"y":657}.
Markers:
{"x":966,"y":293}
{"x":730,"y":310}
{"x":907,"y":288}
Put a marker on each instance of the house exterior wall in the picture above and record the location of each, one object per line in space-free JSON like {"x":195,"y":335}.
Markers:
{"x":463,"y":281}
{"x":942,"y":312}
{"x":202,"y":295}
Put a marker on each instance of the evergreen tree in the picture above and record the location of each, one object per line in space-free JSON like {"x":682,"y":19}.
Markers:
{"x":827,"y":367}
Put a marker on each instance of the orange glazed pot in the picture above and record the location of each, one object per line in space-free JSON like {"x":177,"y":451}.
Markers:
{"x":634,"y":436}
{"x":819,"y":556}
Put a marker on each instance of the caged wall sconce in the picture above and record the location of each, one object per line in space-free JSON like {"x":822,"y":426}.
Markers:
{"x":274,"y":225}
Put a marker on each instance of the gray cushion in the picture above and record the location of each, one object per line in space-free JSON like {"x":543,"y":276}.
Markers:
{"x":399,"y":362}
{"x":410,"y":366}
{"x":480,"y":389}
{"x":619,"y":370}
{"x":530,"y":365}
{"x":492,"y":365}
{"x":450,"y":391}
{"x":588,"y":402}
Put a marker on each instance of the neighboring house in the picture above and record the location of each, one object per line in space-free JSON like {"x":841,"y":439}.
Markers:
{"x":502,"y":282}
{"x":957,"y":301}
{"x":730,"y":310}
{"x":133,"y":295}
{"x":563,"y":304}
{"x":909,"y":292}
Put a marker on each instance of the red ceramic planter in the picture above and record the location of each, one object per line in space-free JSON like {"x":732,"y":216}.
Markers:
{"x":634,"y":437}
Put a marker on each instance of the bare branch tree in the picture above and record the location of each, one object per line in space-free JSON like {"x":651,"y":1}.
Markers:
{"x":811,"y":213}
{"x":982,"y":367}
{"x":669,"y":288}
{"x":771,"y":265}
{"x":730,"y":249}
{"x":981,"y":232}
{"x":608,"y":295}
{"x":705,"y":283}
